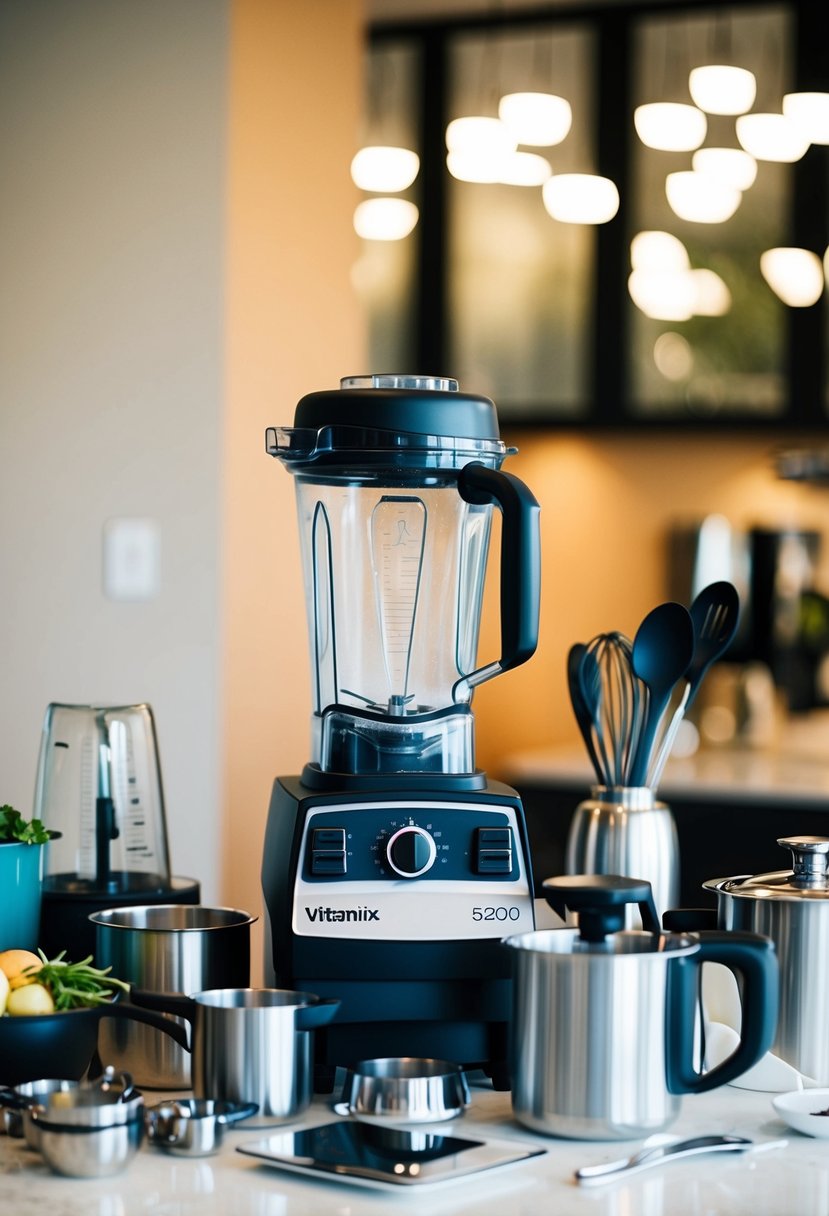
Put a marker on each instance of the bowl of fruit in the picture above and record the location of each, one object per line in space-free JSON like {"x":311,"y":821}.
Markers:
{"x":49,"y":1015}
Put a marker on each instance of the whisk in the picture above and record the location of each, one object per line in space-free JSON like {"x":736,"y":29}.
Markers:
{"x":609,"y":702}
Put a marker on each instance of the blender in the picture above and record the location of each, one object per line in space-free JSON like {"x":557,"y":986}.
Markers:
{"x":99,"y":785}
{"x":392,"y":867}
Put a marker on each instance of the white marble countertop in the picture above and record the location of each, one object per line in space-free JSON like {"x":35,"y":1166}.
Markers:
{"x":735,"y":773}
{"x":789,"y":1179}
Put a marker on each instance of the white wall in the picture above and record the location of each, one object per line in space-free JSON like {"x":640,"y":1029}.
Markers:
{"x":111,"y":394}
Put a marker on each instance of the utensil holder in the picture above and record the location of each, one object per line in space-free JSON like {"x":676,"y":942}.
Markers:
{"x":625,"y":830}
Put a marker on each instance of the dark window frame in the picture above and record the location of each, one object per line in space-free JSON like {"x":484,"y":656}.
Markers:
{"x":805,"y":340}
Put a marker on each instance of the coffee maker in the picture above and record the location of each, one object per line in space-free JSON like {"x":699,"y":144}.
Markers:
{"x":392,"y":867}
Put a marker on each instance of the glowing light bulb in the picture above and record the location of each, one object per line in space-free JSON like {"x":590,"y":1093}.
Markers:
{"x":701,"y":199}
{"x":651,"y":250}
{"x":536,"y":119}
{"x":664,"y":295}
{"x":732,"y":166}
{"x":795,"y":275}
{"x":670,"y":126}
{"x":580,"y":198}
{"x":384,"y":170}
{"x":810,"y":114}
{"x":479,"y":134}
{"x":524,"y":169}
{"x":771,"y":137}
{"x":719,"y":88}
{"x":385,"y":219}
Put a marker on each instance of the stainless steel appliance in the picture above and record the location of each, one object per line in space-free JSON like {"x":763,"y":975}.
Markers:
{"x":99,"y":785}
{"x":603,"y":1025}
{"x":792,"y":908}
{"x":167,"y":948}
{"x":392,"y":867}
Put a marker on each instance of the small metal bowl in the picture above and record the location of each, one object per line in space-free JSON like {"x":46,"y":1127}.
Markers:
{"x":194,"y":1127}
{"x":407,"y":1089}
{"x":18,"y":1100}
{"x":78,"y":1151}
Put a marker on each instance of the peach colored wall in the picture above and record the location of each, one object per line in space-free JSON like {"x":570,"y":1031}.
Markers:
{"x":606,"y":506}
{"x":292,"y":326}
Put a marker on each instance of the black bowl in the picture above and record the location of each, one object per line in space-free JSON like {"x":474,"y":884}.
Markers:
{"x":63,"y":1044}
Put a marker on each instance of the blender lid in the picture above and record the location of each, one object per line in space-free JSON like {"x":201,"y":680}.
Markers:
{"x":808,"y":878}
{"x":406,"y":414}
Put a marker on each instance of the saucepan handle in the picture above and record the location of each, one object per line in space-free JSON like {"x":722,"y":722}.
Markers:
{"x":754,"y":961}
{"x":13,"y":1101}
{"x":165,"y":1002}
{"x":310,"y":1017}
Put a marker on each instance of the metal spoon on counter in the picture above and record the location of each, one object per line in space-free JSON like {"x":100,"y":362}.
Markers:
{"x":662,"y":652}
{"x":658,"y":1154}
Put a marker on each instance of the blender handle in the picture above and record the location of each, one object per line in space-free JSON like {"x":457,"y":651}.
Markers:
{"x":753,"y":958}
{"x":520,"y":564}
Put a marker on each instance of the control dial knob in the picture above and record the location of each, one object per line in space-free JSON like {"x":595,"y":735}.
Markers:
{"x":411,"y":851}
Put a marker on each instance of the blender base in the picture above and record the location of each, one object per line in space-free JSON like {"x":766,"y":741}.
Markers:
{"x":416,"y":960}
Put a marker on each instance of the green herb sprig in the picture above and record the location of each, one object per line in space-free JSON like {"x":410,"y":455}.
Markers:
{"x":13,"y":827}
{"x":75,"y":985}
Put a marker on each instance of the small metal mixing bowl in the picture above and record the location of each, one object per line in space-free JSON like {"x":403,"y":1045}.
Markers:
{"x":19,"y":1099}
{"x":408,"y":1089}
{"x":193,"y":1127}
{"x":82,"y":1151}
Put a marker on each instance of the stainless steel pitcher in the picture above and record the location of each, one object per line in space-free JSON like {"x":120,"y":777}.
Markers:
{"x":603,"y":1018}
{"x":251,"y":1045}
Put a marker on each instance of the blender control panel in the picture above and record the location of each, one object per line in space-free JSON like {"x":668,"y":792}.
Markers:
{"x":386,"y":870}
{"x":377,"y":844}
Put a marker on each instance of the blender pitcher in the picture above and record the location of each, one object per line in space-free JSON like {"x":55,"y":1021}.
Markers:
{"x":395,"y":513}
{"x":99,"y":785}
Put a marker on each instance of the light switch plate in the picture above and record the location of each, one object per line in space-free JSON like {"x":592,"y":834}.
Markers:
{"x":132,"y":559}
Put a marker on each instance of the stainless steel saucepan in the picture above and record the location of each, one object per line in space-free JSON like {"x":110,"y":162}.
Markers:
{"x":792,"y":908}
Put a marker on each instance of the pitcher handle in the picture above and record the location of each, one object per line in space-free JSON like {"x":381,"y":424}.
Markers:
{"x":309,"y":1017}
{"x":752,"y":958}
{"x":520,"y":566}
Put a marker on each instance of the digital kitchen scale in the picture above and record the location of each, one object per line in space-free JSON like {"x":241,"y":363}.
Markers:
{"x":382,"y":1157}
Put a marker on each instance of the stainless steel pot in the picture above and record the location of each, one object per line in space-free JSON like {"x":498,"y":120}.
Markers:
{"x":603,"y":1018}
{"x":174,"y":948}
{"x":792,"y":908}
{"x":251,"y":1045}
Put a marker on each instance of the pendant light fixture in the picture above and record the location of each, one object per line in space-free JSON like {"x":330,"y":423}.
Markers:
{"x":385,"y":219}
{"x":478,"y":147}
{"x":795,"y":275}
{"x":384,"y":170}
{"x":771,"y":137}
{"x":711,"y":295}
{"x":700,"y":198}
{"x":663,"y":286}
{"x":524,"y":169}
{"x":653,"y":250}
{"x":810,"y":114}
{"x":719,"y":88}
{"x":663,"y":295}
{"x":580,"y":198}
{"x":670,"y":126}
{"x":732,"y":166}
{"x":536,"y":119}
